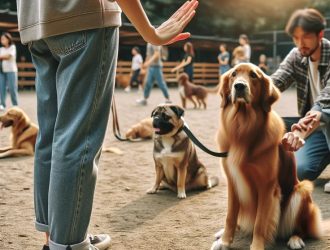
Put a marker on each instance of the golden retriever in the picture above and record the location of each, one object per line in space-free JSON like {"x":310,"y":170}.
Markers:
{"x":141,"y":130}
{"x":23,"y":133}
{"x":265,"y":197}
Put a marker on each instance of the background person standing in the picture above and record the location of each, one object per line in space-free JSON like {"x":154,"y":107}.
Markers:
{"x":8,"y":76}
{"x":137,"y":62}
{"x":154,"y":67}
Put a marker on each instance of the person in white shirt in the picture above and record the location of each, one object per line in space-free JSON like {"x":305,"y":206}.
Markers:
{"x":137,"y":62}
{"x":8,"y":75}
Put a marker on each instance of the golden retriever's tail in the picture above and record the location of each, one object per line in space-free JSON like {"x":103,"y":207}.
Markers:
{"x":305,"y":188}
{"x":301,"y":213}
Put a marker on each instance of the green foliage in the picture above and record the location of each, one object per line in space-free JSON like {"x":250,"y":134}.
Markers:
{"x":232,"y":17}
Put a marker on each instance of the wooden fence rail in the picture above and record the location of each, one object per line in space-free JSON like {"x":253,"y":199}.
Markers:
{"x":204,"y":73}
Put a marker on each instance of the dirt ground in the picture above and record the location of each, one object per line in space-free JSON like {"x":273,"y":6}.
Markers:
{"x":134,"y":219}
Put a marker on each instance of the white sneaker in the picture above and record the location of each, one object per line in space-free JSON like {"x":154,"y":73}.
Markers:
{"x":327,"y":187}
{"x":100,"y":241}
{"x":2,"y":108}
{"x":141,"y":102}
{"x":168,"y":101}
{"x":127,"y":89}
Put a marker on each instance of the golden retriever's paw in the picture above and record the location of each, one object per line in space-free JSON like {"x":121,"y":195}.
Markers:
{"x":295,"y":242}
{"x":182,"y":195}
{"x":152,"y":190}
{"x":219,"y":234}
{"x":219,"y":245}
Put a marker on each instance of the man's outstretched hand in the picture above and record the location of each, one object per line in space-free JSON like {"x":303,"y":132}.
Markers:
{"x":294,"y":140}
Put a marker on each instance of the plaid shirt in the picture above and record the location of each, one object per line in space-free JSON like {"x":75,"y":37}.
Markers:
{"x":294,"y":68}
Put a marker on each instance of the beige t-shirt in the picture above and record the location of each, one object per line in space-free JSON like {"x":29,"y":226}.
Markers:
{"x":39,"y":19}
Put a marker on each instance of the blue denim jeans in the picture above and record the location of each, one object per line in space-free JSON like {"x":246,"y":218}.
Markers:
{"x":74,"y":85}
{"x":314,"y":156}
{"x":155,"y":73}
{"x":8,"y":80}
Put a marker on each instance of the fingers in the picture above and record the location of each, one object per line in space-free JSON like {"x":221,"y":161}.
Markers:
{"x":292,"y":142}
{"x":181,"y":36}
{"x":185,"y":9}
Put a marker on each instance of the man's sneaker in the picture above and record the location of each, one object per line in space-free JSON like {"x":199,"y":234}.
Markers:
{"x":168,"y":101}
{"x":100,"y":241}
{"x":127,"y":89}
{"x":142,"y":102}
{"x":2,"y":108}
{"x":327,"y":187}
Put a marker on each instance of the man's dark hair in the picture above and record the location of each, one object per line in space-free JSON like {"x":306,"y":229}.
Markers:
{"x":310,"y":20}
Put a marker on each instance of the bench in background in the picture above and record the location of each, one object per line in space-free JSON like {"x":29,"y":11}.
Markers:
{"x":204,"y":73}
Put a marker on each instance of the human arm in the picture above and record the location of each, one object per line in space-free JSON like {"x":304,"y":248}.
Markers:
{"x":5,"y":57}
{"x":169,"y":31}
{"x":295,"y":139}
{"x":152,"y":58}
{"x":224,"y":61}
{"x":8,"y":53}
{"x":182,"y":64}
{"x":283,"y":77}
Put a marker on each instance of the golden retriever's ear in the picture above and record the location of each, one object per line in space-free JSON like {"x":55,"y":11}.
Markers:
{"x":271,"y":93}
{"x":224,"y":89}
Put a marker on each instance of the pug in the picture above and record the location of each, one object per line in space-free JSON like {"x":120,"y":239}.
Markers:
{"x":176,"y":163}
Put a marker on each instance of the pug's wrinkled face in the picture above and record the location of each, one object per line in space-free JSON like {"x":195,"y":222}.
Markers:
{"x":167,"y":119}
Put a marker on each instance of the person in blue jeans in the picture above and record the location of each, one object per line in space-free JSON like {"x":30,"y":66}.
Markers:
{"x":154,"y":65}
{"x":309,"y":66}
{"x":8,"y":72}
{"x":74,"y":49}
{"x":223,"y":59}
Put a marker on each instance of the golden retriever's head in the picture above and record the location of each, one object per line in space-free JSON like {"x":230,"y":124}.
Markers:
{"x":246,"y":84}
{"x":13,"y":117}
{"x":183,"y":78}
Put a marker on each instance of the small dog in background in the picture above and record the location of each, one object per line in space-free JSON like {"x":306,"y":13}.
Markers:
{"x":176,"y":163}
{"x":23,"y":133}
{"x":190,"y":91}
{"x":141,"y":130}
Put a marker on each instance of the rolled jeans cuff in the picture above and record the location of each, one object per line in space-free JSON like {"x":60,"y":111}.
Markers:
{"x":41,"y":227}
{"x":84,"y":245}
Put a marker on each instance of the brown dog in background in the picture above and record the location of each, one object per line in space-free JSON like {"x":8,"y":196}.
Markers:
{"x":176,"y":163}
{"x":142,"y":129}
{"x":191,"y":91}
{"x":23,"y":133}
{"x":265,"y":196}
